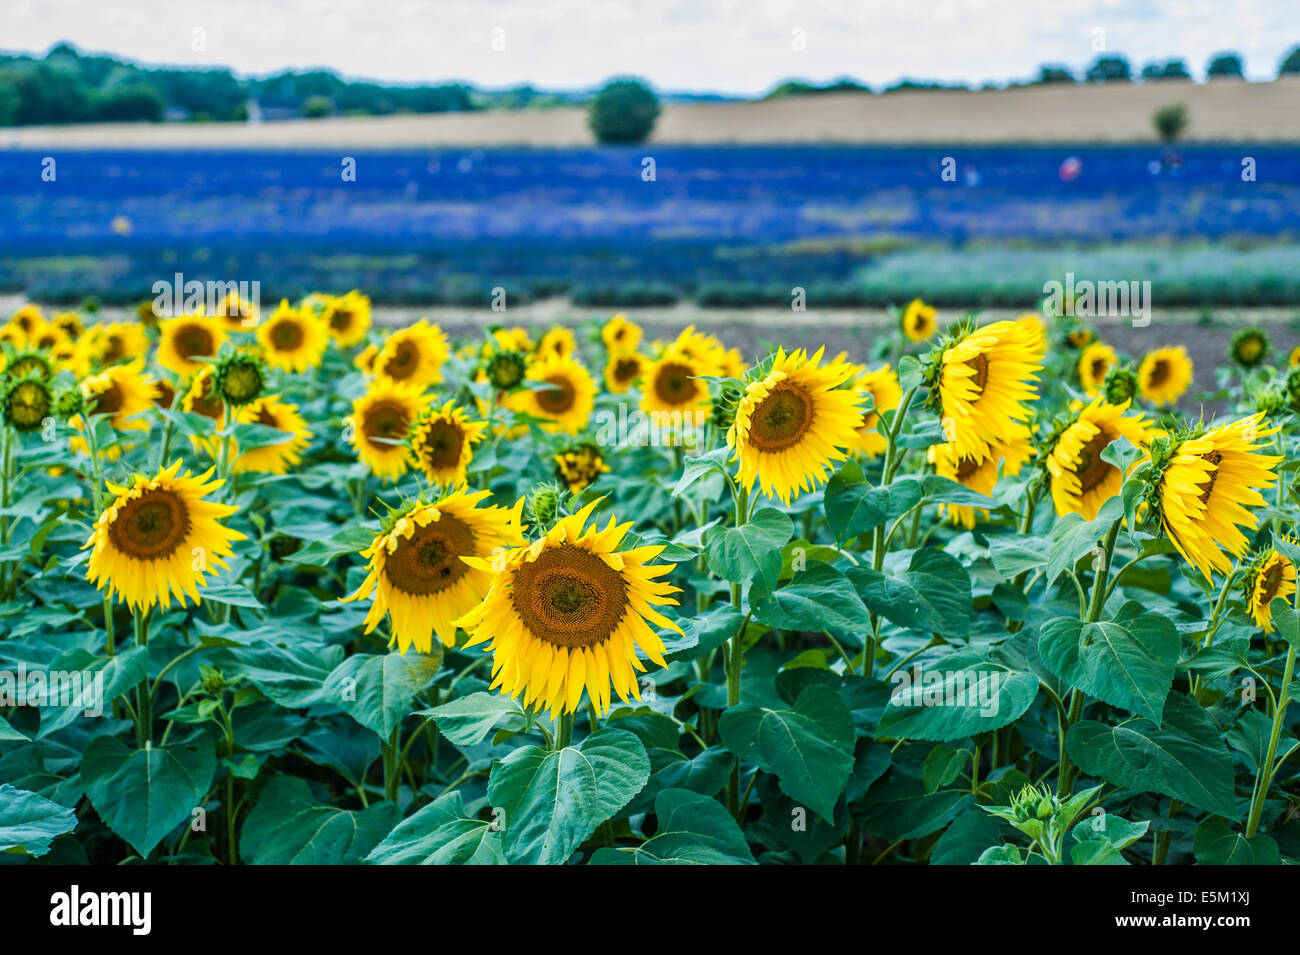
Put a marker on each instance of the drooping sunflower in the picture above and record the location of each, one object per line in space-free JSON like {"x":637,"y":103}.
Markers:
{"x":882,"y":387}
{"x":1081,"y":482}
{"x":1206,"y":483}
{"x":620,"y":335}
{"x":292,"y":339}
{"x":918,"y":320}
{"x":579,"y":465}
{"x":432,"y":564}
{"x":347,"y":317}
{"x":564,"y":397}
{"x":622,"y":370}
{"x":187,"y":338}
{"x":158,"y":538}
{"x":980,"y":472}
{"x":1094,"y":364}
{"x":26,"y":403}
{"x":1269,"y":576}
{"x":271,"y":412}
{"x":793,"y":423}
{"x":704,"y":350}
{"x":985,"y":382}
{"x":673,"y":384}
{"x":381,"y":420}
{"x":413,"y":355}
{"x":442,"y":444}
{"x":569,"y":612}
{"x":1165,"y":375}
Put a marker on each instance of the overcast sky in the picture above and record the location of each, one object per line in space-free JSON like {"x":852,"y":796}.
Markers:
{"x":731,"y":46}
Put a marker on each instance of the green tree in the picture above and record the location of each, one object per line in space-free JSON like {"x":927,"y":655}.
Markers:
{"x":1225,"y":64}
{"x":1170,"y":121}
{"x":136,"y":102}
{"x":1291,"y":64}
{"x":1110,"y":69}
{"x":316,"y":107}
{"x":624,"y":111}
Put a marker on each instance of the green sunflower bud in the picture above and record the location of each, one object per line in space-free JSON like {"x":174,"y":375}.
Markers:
{"x":725,"y":405}
{"x":25,"y":403}
{"x":239,"y":377}
{"x":1249,"y":347}
{"x":546,"y":503}
{"x":1121,"y":385}
{"x":506,"y":370}
{"x":69,"y":402}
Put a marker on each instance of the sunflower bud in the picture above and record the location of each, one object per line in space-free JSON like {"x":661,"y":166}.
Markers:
{"x":724,"y":406}
{"x":506,"y":370}
{"x":240,"y":378}
{"x":213,"y":680}
{"x":1293,"y":388}
{"x":1121,"y":385}
{"x":1249,"y":347}
{"x":69,"y":403}
{"x":25,"y":403}
{"x":1273,"y":398}
{"x":546,"y":503}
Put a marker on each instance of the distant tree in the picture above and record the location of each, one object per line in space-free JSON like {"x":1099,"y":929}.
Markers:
{"x":1110,"y":69}
{"x":51,"y":93}
{"x":1170,"y":121}
{"x":1176,"y":70}
{"x":1225,"y":64}
{"x":9,"y":101}
{"x":625,"y":111}
{"x":317,"y":106}
{"x":1153,"y":71}
{"x":137,"y":102}
{"x":1051,"y":73}
{"x":1291,"y":64}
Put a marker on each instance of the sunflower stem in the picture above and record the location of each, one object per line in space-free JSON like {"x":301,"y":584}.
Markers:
{"x":143,"y":692}
{"x":6,"y":476}
{"x":564,"y":731}
{"x":879,"y":540}
{"x":1266,"y":768}
{"x":97,"y":503}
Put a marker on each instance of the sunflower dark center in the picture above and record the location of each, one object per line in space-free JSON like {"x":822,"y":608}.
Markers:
{"x":782,"y":418}
{"x":403,"y":363}
{"x":625,"y":369}
{"x":1270,"y":583}
{"x":429,"y":560}
{"x":115,"y":350}
{"x":980,"y":365}
{"x":193,"y":340}
{"x":569,"y":597}
{"x":265,"y":417}
{"x":441,"y":444}
{"x":1159,"y":373}
{"x":108,"y":401}
{"x":341,"y":319}
{"x":1092,"y":469}
{"x":1207,"y":488}
{"x":674,"y":384}
{"x":151,"y":526}
{"x":286,"y":335}
{"x":558,"y":398}
{"x":387,"y":420}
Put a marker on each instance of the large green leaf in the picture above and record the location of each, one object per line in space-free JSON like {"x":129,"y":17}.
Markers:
{"x":1215,"y":843}
{"x":817,"y":598}
{"x":1072,"y":537}
{"x":955,"y":696}
{"x":1127,"y":662}
{"x":144,"y":794}
{"x":29,"y":823}
{"x":115,"y":675}
{"x":441,"y":833}
{"x":751,"y":552}
{"x":932,"y":595}
{"x":553,"y":800}
{"x":854,"y":506}
{"x":692,"y":830}
{"x":292,"y":676}
{"x":808,"y":748}
{"x":1182,"y":759}
{"x":376,"y":689}
{"x":468,"y":720}
{"x":288,"y":827}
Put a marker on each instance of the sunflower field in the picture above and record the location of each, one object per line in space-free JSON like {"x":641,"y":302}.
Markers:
{"x":285,"y":586}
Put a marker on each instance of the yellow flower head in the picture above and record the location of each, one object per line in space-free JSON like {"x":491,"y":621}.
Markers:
{"x":293,"y":339}
{"x":579,"y":465}
{"x":380,"y":423}
{"x":1094,"y":364}
{"x":985,"y":382}
{"x":622,"y":370}
{"x":979,"y":473}
{"x":158,"y":538}
{"x":882,"y":387}
{"x":569,"y":612}
{"x":347,"y":317}
{"x":557,"y":343}
{"x":673,"y":384}
{"x":564,"y":398}
{"x":187,"y":338}
{"x":1081,"y":481}
{"x":113,"y":342}
{"x":620,"y":335}
{"x":270,"y":411}
{"x":1269,"y":577}
{"x":413,"y":356}
{"x":1165,"y":375}
{"x":918,"y":321}
{"x":442,"y":444}
{"x":237,"y":313}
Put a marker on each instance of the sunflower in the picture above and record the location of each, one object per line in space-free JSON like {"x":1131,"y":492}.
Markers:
{"x":186,"y":339}
{"x":1094,"y":364}
{"x":271,"y":412}
{"x":431,"y":565}
{"x":27,"y":362}
{"x":674,"y":384}
{"x":48,"y":338}
{"x":413,"y":356}
{"x":1164,"y":375}
{"x":792,"y":423}
{"x":122,"y":392}
{"x":380,"y":422}
{"x":568,"y":612}
{"x":622,"y":370}
{"x":620,"y":335}
{"x":564,"y":398}
{"x":28,"y":318}
{"x":202,"y":398}
{"x":25,"y":403}
{"x":882,"y":387}
{"x":1293,"y":359}
{"x":11,"y":334}
{"x":113,"y":342}
{"x":365,"y":360}
{"x":292,"y":339}
{"x":557,"y":343}
{"x":579,"y":465}
{"x":979,"y":472}
{"x":701,"y":348}
{"x":348,"y":317}
{"x":918,"y":320}
{"x":158,"y":538}
{"x":237,"y":313}
{"x":1206,"y":482}
{"x":1249,"y":348}
{"x":984,"y":381}
{"x":1269,"y":576}
{"x":442,"y":444}
{"x":1079,"y":337}
{"x":1080,"y":480}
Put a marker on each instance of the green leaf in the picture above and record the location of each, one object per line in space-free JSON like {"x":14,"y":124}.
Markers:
{"x":117,"y":675}
{"x":933,"y":595}
{"x":144,"y":794}
{"x":965,"y":839}
{"x":753,"y":550}
{"x":10,"y":735}
{"x":292,"y":676}
{"x":441,"y":833}
{"x":1192,"y":767}
{"x":350,"y":540}
{"x":808,"y":748}
{"x":1127,"y":662}
{"x":692,"y":830}
{"x":955,"y":696}
{"x":468,"y":720}
{"x":29,"y":823}
{"x":288,"y":827}
{"x":1015,"y":555}
{"x":1072,"y":537}
{"x":699,"y":466}
{"x":1096,"y":853}
{"x":1287,"y":621}
{"x":554,"y":800}
{"x":233,"y":595}
{"x":853,"y":506}
{"x":1216,"y":844}
{"x":818,"y":598}
{"x":376,"y":689}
